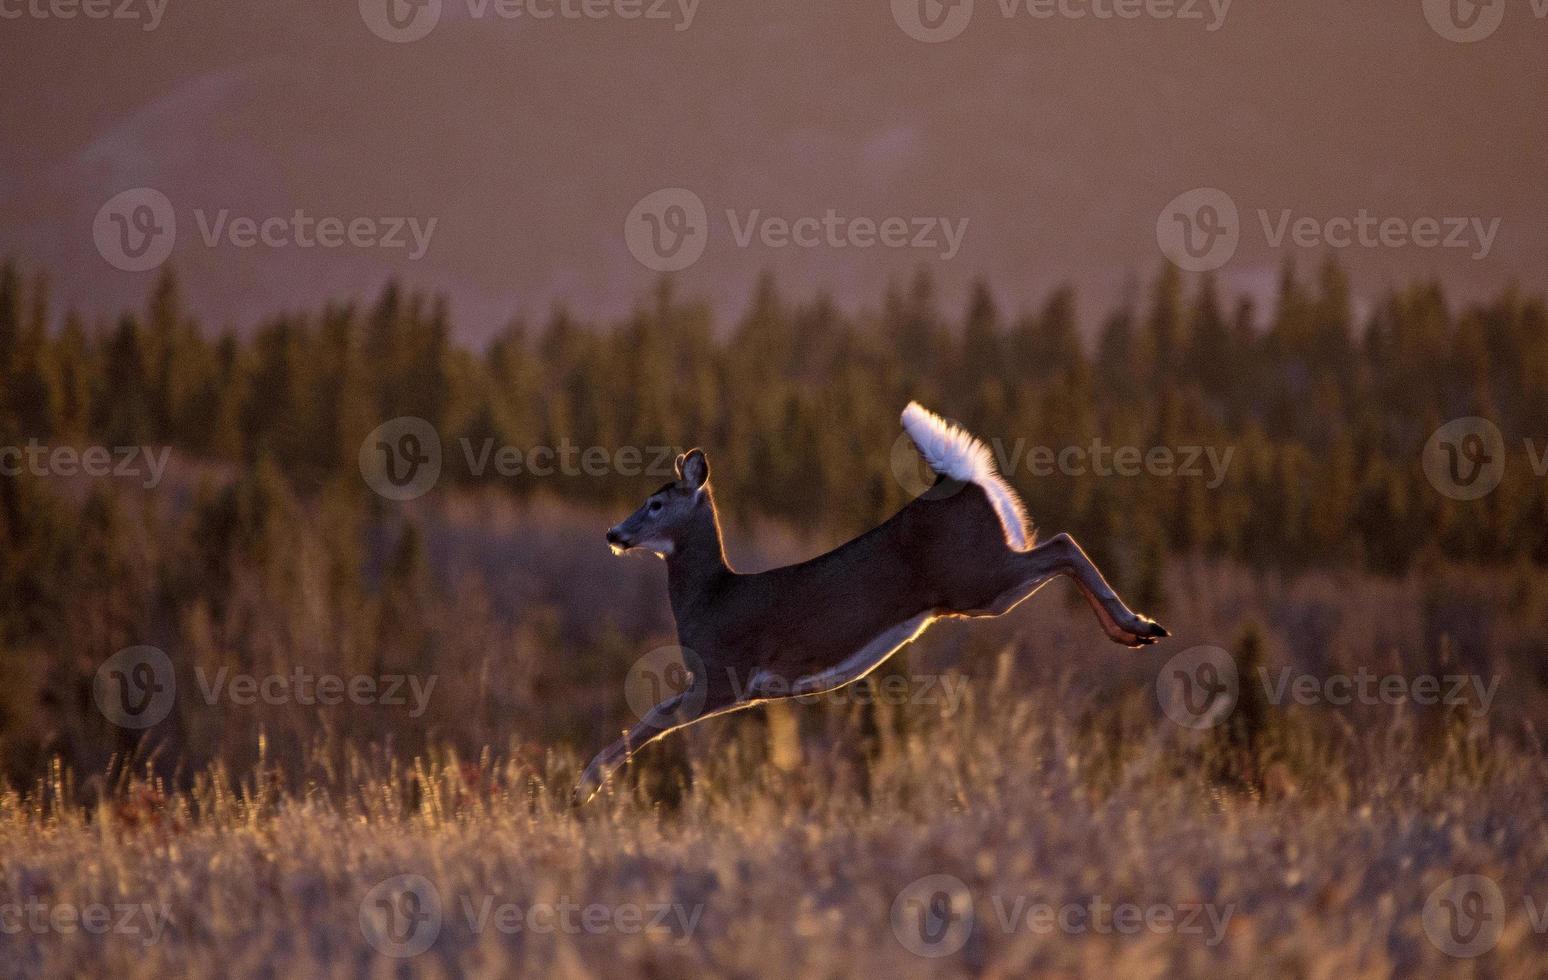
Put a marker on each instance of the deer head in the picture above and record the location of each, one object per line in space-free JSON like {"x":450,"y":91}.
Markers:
{"x":668,"y":515}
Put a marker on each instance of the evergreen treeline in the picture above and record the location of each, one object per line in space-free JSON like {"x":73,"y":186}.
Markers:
{"x":798,"y":404}
{"x":264,"y":549}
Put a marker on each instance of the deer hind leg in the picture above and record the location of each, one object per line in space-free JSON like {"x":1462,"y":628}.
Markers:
{"x":1060,"y":555}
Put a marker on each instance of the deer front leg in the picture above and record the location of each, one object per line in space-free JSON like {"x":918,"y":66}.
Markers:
{"x":668,"y":716}
{"x":1060,"y":555}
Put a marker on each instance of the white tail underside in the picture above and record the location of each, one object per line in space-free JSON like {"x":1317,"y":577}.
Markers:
{"x":952,"y":452}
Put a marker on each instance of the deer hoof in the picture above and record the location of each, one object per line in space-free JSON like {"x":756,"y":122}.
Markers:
{"x":585,"y":790}
{"x":1148,"y":632}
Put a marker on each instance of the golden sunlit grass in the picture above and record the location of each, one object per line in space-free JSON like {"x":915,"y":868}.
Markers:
{"x":1296,"y":840}
{"x":1313,"y":857}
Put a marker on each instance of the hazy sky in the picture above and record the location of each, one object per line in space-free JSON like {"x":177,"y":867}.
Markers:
{"x":1047,"y":147}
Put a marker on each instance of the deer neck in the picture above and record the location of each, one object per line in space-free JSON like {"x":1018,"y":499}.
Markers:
{"x":697,"y":562}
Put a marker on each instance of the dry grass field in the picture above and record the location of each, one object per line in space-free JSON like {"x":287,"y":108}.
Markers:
{"x":1020,"y":803}
{"x":1079,"y":850}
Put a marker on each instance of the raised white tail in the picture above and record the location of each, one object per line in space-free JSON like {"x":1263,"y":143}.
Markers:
{"x":951,"y":452}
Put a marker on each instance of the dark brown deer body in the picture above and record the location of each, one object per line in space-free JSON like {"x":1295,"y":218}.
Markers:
{"x":960,"y":549}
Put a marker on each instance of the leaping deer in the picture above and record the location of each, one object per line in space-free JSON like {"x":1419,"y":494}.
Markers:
{"x":962,"y":548}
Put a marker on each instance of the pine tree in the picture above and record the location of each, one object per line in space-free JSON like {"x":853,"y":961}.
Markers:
{"x":33,"y":396}
{"x":981,"y":361}
{"x":123,"y":401}
{"x":72,"y":371}
{"x":1167,"y":326}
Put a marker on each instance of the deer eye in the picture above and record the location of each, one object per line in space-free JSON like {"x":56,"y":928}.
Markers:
{"x":655,"y":505}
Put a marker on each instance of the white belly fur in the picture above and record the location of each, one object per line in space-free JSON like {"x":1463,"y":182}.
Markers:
{"x":866,"y":659}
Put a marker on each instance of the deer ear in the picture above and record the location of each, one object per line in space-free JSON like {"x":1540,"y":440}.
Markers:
{"x":694,"y":468}
{"x":679,"y":464}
